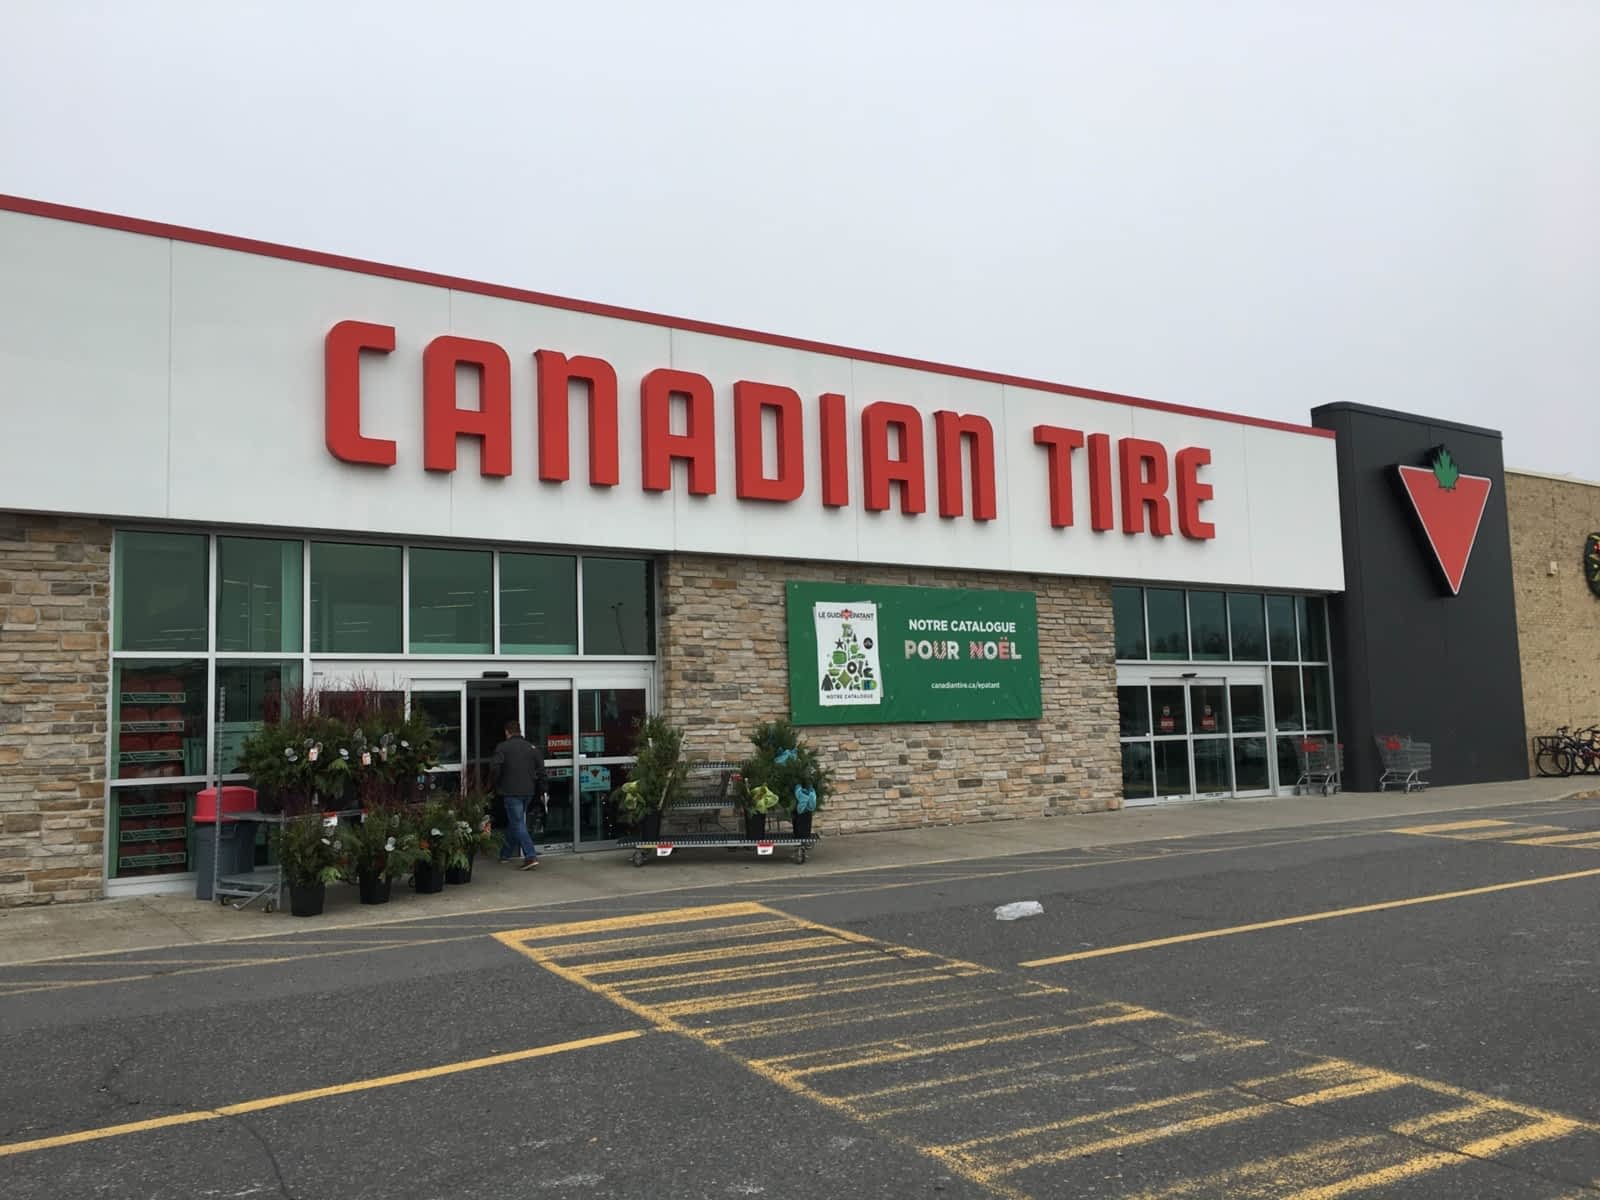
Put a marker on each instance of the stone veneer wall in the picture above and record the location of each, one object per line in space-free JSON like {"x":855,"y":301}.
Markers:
{"x":1558,"y":617}
{"x":724,"y":667}
{"x":54,"y":672}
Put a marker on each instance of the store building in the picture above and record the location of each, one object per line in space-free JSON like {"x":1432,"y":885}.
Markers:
{"x":232,"y":468}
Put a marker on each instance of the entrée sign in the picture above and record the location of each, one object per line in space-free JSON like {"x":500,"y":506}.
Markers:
{"x":1156,"y":488}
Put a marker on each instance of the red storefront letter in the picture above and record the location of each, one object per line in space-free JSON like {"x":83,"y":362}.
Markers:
{"x":1059,"y":443}
{"x":750,"y":402}
{"x":341,"y":396}
{"x":1100,"y":516}
{"x":835,"y":453}
{"x":879,"y":469}
{"x":698,"y":445}
{"x":949,"y":429}
{"x":556,"y":372}
{"x":1141,"y":487}
{"x":1192,"y":493}
{"x":443,"y":422}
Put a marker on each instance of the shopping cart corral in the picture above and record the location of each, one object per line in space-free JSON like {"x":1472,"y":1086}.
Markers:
{"x":708,"y":817}
{"x":1321,"y":766}
{"x":1405,"y":760}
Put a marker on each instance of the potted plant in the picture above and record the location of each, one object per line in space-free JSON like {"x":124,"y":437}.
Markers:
{"x":378,"y":852}
{"x":787,"y":766}
{"x":436,"y":831}
{"x":312,"y":854}
{"x":655,"y":779}
{"x":473,"y":835}
{"x":758,"y":802}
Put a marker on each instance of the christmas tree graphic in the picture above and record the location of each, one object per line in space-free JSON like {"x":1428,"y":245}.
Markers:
{"x":848,"y":671}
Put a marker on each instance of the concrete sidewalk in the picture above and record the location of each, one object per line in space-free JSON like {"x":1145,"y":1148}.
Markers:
{"x":607,"y":879}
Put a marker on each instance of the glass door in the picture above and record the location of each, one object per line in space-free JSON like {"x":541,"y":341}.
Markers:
{"x":1252,"y":758}
{"x":1208,"y":712}
{"x":1169,"y":713}
{"x":444,"y":707}
{"x":608,"y":721}
{"x":1188,"y":737}
{"x":547,"y":723}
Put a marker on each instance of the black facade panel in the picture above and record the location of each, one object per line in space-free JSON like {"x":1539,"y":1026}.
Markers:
{"x":1410,"y":658}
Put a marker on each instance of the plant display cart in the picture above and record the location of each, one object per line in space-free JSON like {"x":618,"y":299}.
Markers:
{"x":708,"y":817}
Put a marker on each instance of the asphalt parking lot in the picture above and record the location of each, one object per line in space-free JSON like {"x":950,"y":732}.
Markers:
{"x":1385,"y":1008}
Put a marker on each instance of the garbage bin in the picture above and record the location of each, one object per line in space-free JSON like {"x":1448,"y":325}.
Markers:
{"x":238,"y":840}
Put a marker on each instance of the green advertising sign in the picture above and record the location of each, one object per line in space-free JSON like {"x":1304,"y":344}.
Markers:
{"x":869,"y":655}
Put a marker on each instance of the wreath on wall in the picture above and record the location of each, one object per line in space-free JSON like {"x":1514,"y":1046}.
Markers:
{"x":1591,"y":562}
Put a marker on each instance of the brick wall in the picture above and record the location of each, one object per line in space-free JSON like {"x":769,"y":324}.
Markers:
{"x":1558,"y":617}
{"x":724,"y":667}
{"x":54,"y":672}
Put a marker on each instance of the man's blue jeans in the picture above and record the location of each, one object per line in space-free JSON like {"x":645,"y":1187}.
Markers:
{"x":518,"y":840}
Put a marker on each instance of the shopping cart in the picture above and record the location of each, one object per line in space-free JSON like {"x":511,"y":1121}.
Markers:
{"x":1404,"y":760}
{"x":1321,"y":764}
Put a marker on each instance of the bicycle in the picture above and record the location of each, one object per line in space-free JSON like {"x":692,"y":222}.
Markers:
{"x":1568,"y":752}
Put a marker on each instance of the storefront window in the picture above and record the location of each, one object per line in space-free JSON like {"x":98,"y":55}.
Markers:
{"x":162,"y":580}
{"x":1313,"y":628}
{"x":608,"y":719}
{"x":158,"y":719}
{"x":1251,"y":769}
{"x":1133,"y":709}
{"x":254,"y":693}
{"x":1280,"y":629}
{"x":1286,"y":698}
{"x":1138,"y":772}
{"x":148,"y":828}
{"x":1319,"y":698}
{"x":452,"y":601}
{"x":1208,"y":625}
{"x":442,"y":710}
{"x":618,"y":606}
{"x":1127,"y":610}
{"x":1248,"y":621}
{"x":259,"y":596}
{"x":1172,"y":768}
{"x":1249,"y":708}
{"x":1169,"y":624}
{"x":538,"y":604}
{"x":1211,"y":775}
{"x":355,"y":599}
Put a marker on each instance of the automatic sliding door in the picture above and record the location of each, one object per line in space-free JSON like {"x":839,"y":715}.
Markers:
{"x":547,"y":723}
{"x":608,"y":719}
{"x":443,"y":707}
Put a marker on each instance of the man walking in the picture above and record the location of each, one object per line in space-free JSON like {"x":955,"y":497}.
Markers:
{"x":517,"y":773}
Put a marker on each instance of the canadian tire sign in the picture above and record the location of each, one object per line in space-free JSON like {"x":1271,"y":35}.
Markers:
{"x":1449,"y":506}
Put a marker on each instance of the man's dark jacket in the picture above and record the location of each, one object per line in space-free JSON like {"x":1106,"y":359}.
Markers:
{"x":517,"y":768}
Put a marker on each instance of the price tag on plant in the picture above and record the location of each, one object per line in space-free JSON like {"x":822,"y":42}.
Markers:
{"x":331,"y":821}
{"x":366,"y":758}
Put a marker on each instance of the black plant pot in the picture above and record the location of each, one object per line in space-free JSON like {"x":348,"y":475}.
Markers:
{"x":802,"y":824}
{"x":460,"y":874}
{"x":305,"y":900}
{"x":755,"y":825}
{"x":650,"y":826}
{"x":374,"y":887}
{"x":427,"y":878}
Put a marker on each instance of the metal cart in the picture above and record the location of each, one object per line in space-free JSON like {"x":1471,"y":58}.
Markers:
{"x":1321,"y":766}
{"x":1404,"y":761}
{"x":709,"y":818}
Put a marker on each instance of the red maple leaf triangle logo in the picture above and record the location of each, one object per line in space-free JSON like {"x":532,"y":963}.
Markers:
{"x":1450,"y":507}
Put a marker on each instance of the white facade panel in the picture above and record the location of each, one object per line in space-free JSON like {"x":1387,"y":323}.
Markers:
{"x":186,"y":381}
{"x":83,"y":368}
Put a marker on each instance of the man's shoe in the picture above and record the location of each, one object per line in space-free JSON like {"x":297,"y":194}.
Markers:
{"x":528,"y":864}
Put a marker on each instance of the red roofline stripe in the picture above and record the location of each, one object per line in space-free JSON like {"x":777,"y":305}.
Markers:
{"x":339,"y":262}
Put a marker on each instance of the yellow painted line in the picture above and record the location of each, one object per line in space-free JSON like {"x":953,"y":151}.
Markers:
{"x":1307,"y":918}
{"x":1267,"y":1177}
{"x":1424,"y":1164}
{"x":1588,"y":835}
{"x":1378,"y":1081}
{"x":1448,"y":827}
{"x":1143,"y":1137}
{"x":653,"y":962}
{"x":1450,"y":1116}
{"x":644,"y":920}
{"x":322,"y":1093}
{"x":764,"y":970}
{"x":701,"y":938}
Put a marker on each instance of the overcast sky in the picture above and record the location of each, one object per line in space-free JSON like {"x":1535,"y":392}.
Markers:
{"x":1254,"y":206}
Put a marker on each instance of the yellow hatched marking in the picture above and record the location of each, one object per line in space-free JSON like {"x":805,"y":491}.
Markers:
{"x":1582,"y":841}
{"x":699,"y":938}
{"x":1027,"y":1085}
{"x":1447,"y":827}
{"x":1377,"y":1081}
{"x":1450,"y":1116}
{"x":800,"y":993}
{"x":1267,"y":1177}
{"x":1137,"y":1109}
{"x":765,"y":970}
{"x":1515,"y":831}
{"x":741,"y":1031}
{"x":1019,"y":1068}
{"x":1424,"y":1164}
{"x":1335,"y":1067}
{"x":870,"y":1060}
{"x":655,"y":962}
{"x":644,"y":920}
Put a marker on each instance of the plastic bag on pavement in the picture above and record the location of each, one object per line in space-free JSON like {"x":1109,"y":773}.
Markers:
{"x":1018,"y":908}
